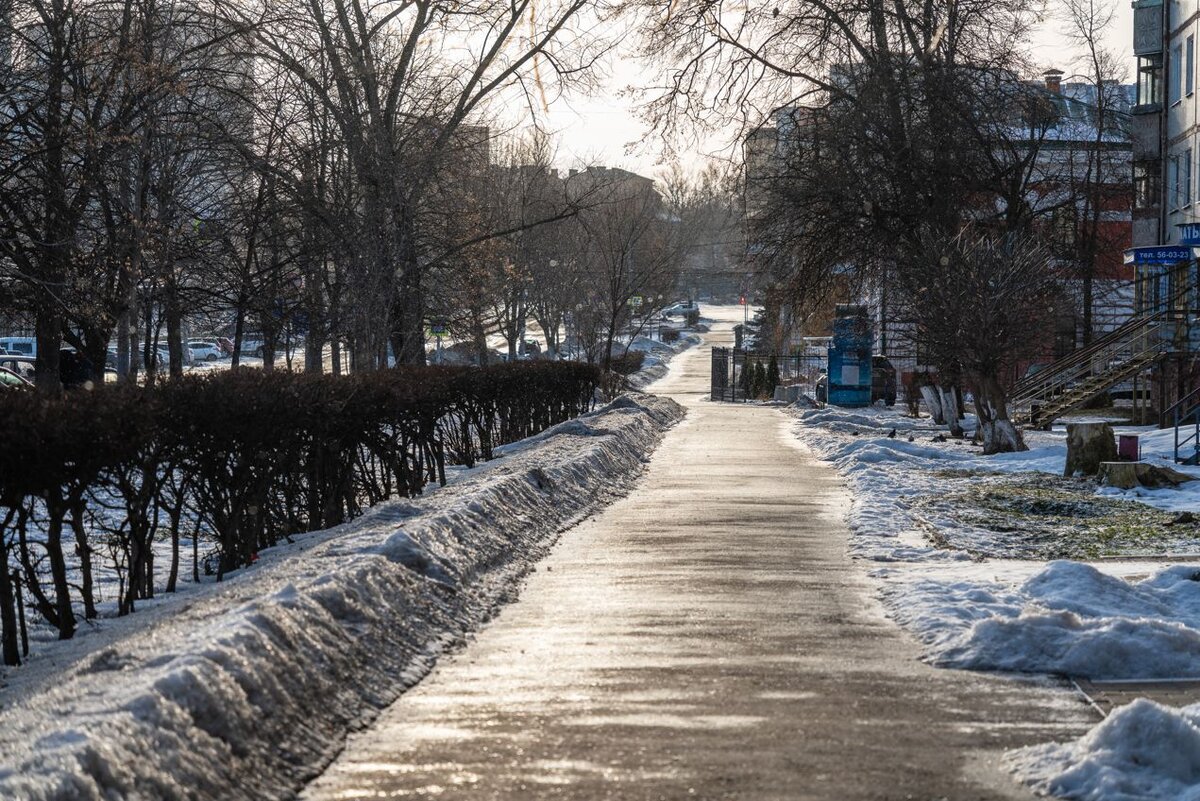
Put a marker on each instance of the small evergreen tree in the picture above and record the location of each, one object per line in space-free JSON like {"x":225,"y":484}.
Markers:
{"x":772,"y":375}
{"x":759,"y":388}
{"x":746,"y":379}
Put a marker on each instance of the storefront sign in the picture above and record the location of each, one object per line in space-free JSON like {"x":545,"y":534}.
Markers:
{"x":1189,"y":233}
{"x":1158,"y":254}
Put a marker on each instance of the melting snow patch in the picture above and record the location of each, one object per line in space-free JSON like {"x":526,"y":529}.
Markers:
{"x":1069,"y":618}
{"x":1142,"y":752}
{"x":248,"y":691}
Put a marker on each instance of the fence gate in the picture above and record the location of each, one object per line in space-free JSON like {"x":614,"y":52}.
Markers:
{"x":729,"y":365}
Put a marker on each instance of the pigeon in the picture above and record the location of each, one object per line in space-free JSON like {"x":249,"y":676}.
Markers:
{"x":939,"y":438}
{"x":911,"y":438}
{"x":892,"y":434}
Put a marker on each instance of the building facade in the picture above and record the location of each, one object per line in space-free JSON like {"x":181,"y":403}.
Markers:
{"x":1166,"y":216}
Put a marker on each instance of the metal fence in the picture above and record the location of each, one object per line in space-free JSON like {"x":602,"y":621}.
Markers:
{"x":729,"y":364}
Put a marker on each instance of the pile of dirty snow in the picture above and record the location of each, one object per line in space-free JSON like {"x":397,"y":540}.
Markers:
{"x":1069,"y":618}
{"x":1141,"y":752}
{"x":249,"y":687}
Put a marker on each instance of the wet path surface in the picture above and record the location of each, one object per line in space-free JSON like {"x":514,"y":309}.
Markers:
{"x":706,"y":637}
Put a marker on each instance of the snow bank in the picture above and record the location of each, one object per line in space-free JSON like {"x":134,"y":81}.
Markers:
{"x":883,"y":473}
{"x":1068,"y":618}
{"x":1142,"y":752}
{"x":658,"y":357}
{"x":1062,"y":617}
{"x":247,"y":690}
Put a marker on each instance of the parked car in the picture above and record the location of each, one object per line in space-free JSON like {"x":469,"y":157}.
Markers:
{"x":74,"y":369}
{"x":21,"y":365}
{"x":10,"y":380}
{"x":252,"y":346}
{"x":20,"y":346}
{"x":681,"y":308}
{"x":883,"y":380}
{"x":204,"y":350}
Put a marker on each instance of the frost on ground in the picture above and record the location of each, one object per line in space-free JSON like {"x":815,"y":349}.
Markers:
{"x":1142,"y":752}
{"x":249,"y":687}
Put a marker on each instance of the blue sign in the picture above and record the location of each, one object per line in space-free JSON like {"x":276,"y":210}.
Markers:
{"x":1158,"y":254}
{"x":1189,"y":233}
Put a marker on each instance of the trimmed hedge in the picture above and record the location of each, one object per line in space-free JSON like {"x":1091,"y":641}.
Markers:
{"x":240,"y":459}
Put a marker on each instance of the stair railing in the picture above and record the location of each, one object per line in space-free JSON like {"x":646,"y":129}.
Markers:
{"x":1144,"y":336}
{"x":1181,"y":412}
{"x":1063,"y":370}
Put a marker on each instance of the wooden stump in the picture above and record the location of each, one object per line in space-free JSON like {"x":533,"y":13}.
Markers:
{"x":1127,"y":475}
{"x":1088,"y":445}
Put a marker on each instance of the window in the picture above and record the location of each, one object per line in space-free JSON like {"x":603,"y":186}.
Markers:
{"x":1145,"y":185}
{"x":1149,"y":80}
{"x":1186,"y":176}
{"x":1176,"y":75}
{"x":1173,"y":189}
{"x":1189,"y":72}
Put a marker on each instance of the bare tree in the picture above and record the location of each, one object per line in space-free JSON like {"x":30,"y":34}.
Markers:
{"x":632,"y":248}
{"x":979,"y":301}
{"x":406,"y":80}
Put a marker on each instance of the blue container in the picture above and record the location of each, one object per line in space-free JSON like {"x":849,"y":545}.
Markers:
{"x":850,"y":357}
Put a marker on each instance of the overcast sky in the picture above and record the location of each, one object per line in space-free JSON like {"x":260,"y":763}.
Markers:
{"x":605,"y":130}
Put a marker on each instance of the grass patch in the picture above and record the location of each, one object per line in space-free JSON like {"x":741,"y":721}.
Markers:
{"x":1038,"y":516}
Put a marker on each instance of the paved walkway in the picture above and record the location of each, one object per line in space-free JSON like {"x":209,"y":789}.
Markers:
{"x":708,"y":638}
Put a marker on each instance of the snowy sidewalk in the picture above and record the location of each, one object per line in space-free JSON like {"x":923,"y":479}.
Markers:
{"x":706,"y":637}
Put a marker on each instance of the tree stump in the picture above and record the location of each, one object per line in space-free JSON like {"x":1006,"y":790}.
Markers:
{"x":1127,"y":475}
{"x":1088,"y":445}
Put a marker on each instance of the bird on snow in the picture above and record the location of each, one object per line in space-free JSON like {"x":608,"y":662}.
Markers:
{"x":892,"y":434}
{"x":911,"y":438}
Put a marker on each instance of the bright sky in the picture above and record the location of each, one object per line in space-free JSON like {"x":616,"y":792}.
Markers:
{"x":605,"y":130}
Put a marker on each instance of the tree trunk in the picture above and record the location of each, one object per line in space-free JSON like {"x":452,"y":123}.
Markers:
{"x":8,"y":609}
{"x":174,"y":321}
{"x":933,"y":403}
{"x":58,"y":569}
{"x":84,"y":551}
{"x":48,"y":329}
{"x":996,"y":432}
{"x":951,"y":412}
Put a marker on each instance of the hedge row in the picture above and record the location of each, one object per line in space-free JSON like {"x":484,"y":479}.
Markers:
{"x":239,"y":459}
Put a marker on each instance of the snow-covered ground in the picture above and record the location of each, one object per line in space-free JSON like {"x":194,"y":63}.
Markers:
{"x":245,"y":688}
{"x":963,"y":544}
{"x":1142,"y":752}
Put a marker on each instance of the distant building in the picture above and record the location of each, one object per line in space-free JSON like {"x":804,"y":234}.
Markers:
{"x":1083,"y":138}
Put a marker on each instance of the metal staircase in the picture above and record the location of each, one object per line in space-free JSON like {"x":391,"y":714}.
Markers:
{"x":1185,"y":417}
{"x":1080,"y":376}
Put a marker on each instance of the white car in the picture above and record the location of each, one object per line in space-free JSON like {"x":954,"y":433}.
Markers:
{"x":253,"y":346}
{"x":683,"y":307}
{"x":203,"y":350}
